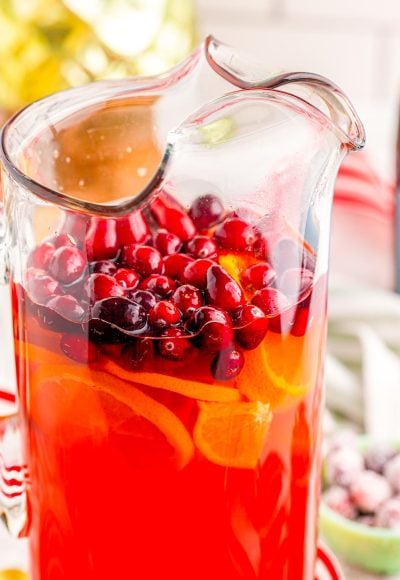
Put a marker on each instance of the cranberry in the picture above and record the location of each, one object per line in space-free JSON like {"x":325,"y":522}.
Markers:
{"x":187,"y":298}
{"x":122,"y":313}
{"x":101,"y":239}
{"x":214,"y":328}
{"x":78,"y":348}
{"x":227,"y":364}
{"x":104,"y":267}
{"x":173,"y":345}
{"x":251,"y":326}
{"x":42,"y":288}
{"x":206,"y":211}
{"x":135,"y":354}
{"x":164,"y":314}
{"x":338,"y":499}
{"x":261,"y":247}
{"x":301,"y":321}
{"x":222,"y":290}
{"x":271,"y":301}
{"x":369,"y":490}
{"x":67,"y":306}
{"x":343,"y":465}
{"x":132,"y":229}
{"x":392,"y":472}
{"x":296,"y":282}
{"x":202,"y":247}
{"x":378,"y":455}
{"x":128,"y":279}
{"x":175,"y":264}
{"x":167,"y":243}
{"x":258,"y":276}
{"x":62,"y":240}
{"x":99,"y":286}
{"x":235,"y":234}
{"x":40,"y":256}
{"x":67,"y":264}
{"x":388,"y":515}
{"x":195,"y":273}
{"x":144,"y":259}
{"x":75,"y":225}
{"x":159,"y":284}
{"x":144,"y":298}
{"x":172,"y":216}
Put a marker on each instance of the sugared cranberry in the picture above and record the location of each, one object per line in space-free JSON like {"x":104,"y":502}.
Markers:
{"x":175,"y":264}
{"x":167,"y":243}
{"x":173,"y":345}
{"x":296,"y":282}
{"x":388,"y":515}
{"x":159,"y":284}
{"x":251,"y":326}
{"x":101,"y":239}
{"x":188,"y":299}
{"x":145,"y":260}
{"x":67,"y":306}
{"x":235,"y":234}
{"x":369,"y":491}
{"x":62,"y":240}
{"x":271,"y":301}
{"x":104,"y":267}
{"x":172,"y":216}
{"x":78,"y":348}
{"x":41,"y":256}
{"x":206,"y":211}
{"x":128,"y":279}
{"x":343,"y":465}
{"x":392,"y":472}
{"x":164,"y":314}
{"x":132,"y":229}
{"x":67,"y":264}
{"x":378,"y":455}
{"x":214,"y":328}
{"x":144,"y":298}
{"x":338,"y":499}
{"x":135,"y":354}
{"x":258,"y":276}
{"x":222,"y":290}
{"x":42,"y":288}
{"x":195,"y":273}
{"x":99,"y":286}
{"x":121,"y":312}
{"x":227,"y":364}
{"x":202,"y":247}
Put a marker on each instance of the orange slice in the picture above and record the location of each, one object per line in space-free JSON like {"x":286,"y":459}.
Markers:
{"x":189,"y":388}
{"x":52,"y":378}
{"x":232,"y":434}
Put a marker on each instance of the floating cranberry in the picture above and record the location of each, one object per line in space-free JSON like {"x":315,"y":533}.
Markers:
{"x":301,"y":321}
{"x":159,"y":284}
{"x":132,"y":229}
{"x":145,"y":260}
{"x":99,"y":286}
{"x":41,"y":256}
{"x":167,"y":243}
{"x":122,"y":313}
{"x":188,"y":299}
{"x":75,"y":225}
{"x":202,"y":247}
{"x":173,"y":345}
{"x":172,"y":216}
{"x":251,"y":326}
{"x":195,"y":273}
{"x":227,"y":364}
{"x":164,"y":314}
{"x":104,"y":267}
{"x":271,"y":301}
{"x":144,"y":298}
{"x":42,"y":288}
{"x":235,"y":234}
{"x":175,"y":264}
{"x":222,"y":290}
{"x":101,"y":239}
{"x":67,"y":306}
{"x":128,"y":279}
{"x":135,"y":354}
{"x":296,"y":282}
{"x":78,"y":348}
{"x":214,"y":328}
{"x":258,"y":276}
{"x":67,"y":264}
{"x":261,"y":247}
{"x":206,"y":211}
{"x":63,"y":240}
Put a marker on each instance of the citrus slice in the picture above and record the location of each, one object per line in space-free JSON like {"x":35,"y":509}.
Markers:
{"x":232,"y":434}
{"x":187,"y":387}
{"x":87,"y":382}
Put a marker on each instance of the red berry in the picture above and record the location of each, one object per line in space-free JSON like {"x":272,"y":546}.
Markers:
{"x":40,"y":256}
{"x":167,"y":243}
{"x":104,"y":267}
{"x":135,"y":354}
{"x":222,"y":290}
{"x":195,"y":273}
{"x":271,"y":301}
{"x":42,"y":288}
{"x":78,"y":348}
{"x":67,"y":264}
{"x":132,"y":229}
{"x":164,"y":314}
{"x":122,"y":313}
{"x":173,"y":345}
{"x":67,"y":306}
{"x":75,"y":225}
{"x":206,"y":211}
{"x":235,"y":234}
{"x":144,"y":298}
{"x":251,"y":326}
{"x":99,"y":286}
{"x":174,"y":265}
{"x":214,"y":328}
{"x":172,"y":216}
{"x":144,"y":259}
{"x":101,"y":239}
{"x":202,"y":247}
{"x":188,"y":299}
{"x":128,"y":279}
{"x":258,"y":276}
{"x":261,"y":247}
{"x":62,"y":240}
{"x":227,"y":364}
{"x":339,"y":499}
{"x":159,"y":284}
{"x":301,"y":321}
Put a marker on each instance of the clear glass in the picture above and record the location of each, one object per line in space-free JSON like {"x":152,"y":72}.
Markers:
{"x":174,"y":433}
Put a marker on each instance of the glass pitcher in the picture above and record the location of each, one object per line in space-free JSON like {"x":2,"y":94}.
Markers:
{"x":166,"y":242}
